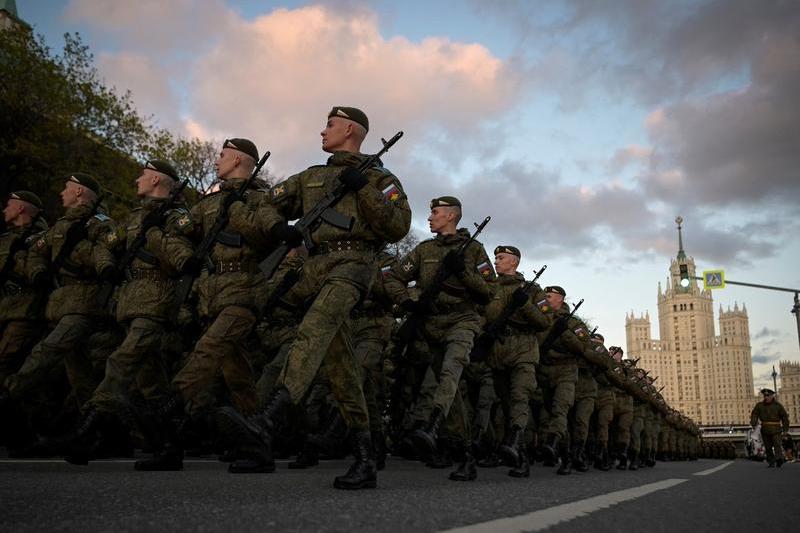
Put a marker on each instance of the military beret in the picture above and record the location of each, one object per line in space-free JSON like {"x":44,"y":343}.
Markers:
{"x":163,"y":167}
{"x":613,"y":349}
{"x":598,"y":337}
{"x":86,"y":180}
{"x":556,"y":289}
{"x":27,"y":196}
{"x":350,"y":113}
{"x":445,"y":201}
{"x":767,"y":392}
{"x":245,"y":146}
{"x":505,"y":249}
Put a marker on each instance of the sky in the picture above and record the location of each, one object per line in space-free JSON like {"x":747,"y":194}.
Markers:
{"x":582,"y":127}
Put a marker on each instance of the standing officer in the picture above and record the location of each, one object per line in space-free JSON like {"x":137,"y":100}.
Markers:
{"x":230,"y":288}
{"x":450,"y":330}
{"x":143,"y":307}
{"x":21,"y":303}
{"x":76,"y":252}
{"x":774,"y":422}
{"x":338,"y":274}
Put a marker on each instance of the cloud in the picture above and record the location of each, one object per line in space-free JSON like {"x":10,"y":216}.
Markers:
{"x":765,"y":333}
{"x":765,"y":359}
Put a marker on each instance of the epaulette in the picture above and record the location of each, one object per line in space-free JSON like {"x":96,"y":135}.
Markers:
{"x":179,"y":209}
{"x":101,"y":217}
{"x":317,"y":166}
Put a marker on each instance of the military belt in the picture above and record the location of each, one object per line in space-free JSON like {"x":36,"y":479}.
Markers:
{"x":225,"y":267}
{"x":369,"y":312}
{"x":456,"y":307}
{"x":344,"y":246}
{"x":770,"y":423}
{"x":152,"y":274}
{"x":11,"y":289}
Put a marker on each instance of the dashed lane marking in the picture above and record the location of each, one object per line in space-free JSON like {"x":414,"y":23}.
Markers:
{"x":539,"y":520}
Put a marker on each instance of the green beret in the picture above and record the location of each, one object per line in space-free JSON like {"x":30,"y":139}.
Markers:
{"x":598,"y":337}
{"x":445,"y":201}
{"x":27,"y":196}
{"x":86,"y":180}
{"x":350,"y":113}
{"x":505,"y":249}
{"x":163,"y":167}
{"x":767,"y":392}
{"x":556,"y":289}
{"x":245,"y":146}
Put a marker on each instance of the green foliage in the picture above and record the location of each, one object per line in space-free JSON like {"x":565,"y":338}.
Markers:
{"x":58,"y":117}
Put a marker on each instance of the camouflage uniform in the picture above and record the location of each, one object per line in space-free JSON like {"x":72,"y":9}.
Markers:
{"x":73,"y":306}
{"x":21,"y":304}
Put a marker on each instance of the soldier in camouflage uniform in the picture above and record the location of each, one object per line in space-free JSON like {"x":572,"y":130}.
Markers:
{"x":337,"y":275}
{"x":450,"y":332}
{"x":72,"y":307}
{"x":592,"y":363}
{"x":604,"y":404}
{"x":514,"y":357}
{"x":144,"y":304}
{"x":230,"y":290}
{"x":21,"y":303}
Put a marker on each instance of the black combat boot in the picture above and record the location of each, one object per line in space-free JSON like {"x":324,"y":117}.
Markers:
{"x":548,"y":450}
{"x":634,"y":462}
{"x":379,"y":447}
{"x":329,"y":441}
{"x":80,"y":443}
{"x":164,"y":432}
{"x":602,"y":461}
{"x":441,"y":458}
{"x":492,"y":460}
{"x":509,"y":449}
{"x":467,"y":469}
{"x":523,"y":467}
{"x":424,"y":439}
{"x":307,"y":458}
{"x":565,"y":468}
{"x":651,"y":458}
{"x":261,"y":424}
{"x":362,"y":474}
{"x":622,"y":457}
{"x":578,"y":458}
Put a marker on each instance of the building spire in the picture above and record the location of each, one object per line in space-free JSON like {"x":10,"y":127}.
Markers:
{"x":681,"y":253}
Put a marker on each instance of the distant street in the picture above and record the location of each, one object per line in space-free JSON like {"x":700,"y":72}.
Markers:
{"x":706,"y":495}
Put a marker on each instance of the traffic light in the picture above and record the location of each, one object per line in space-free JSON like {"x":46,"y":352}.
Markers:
{"x":684,"y":271}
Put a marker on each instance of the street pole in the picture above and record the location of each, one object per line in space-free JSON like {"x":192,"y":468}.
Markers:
{"x":774,"y":381}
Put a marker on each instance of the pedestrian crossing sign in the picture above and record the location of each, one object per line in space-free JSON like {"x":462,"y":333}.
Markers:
{"x":713,"y":279}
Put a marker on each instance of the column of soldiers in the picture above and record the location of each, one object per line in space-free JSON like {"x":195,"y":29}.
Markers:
{"x":161,"y":331}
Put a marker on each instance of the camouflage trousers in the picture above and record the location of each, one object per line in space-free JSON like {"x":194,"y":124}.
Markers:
{"x":136,"y":362}
{"x":477,"y":382}
{"x":277,"y":341}
{"x":557,"y":382}
{"x":337,"y":282}
{"x":637,"y":427}
{"x":16,"y":341}
{"x":651,"y":428}
{"x":222,"y":348}
{"x":581,"y":412}
{"x":604,"y":414}
{"x":513,"y":366}
{"x":69,"y":343}
{"x":623,"y":418}
{"x":371,"y":335}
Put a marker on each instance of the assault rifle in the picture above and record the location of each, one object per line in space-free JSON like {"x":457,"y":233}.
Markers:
{"x":15,"y":247}
{"x":494,"y":332}
{"x":216,"y":233}
{"x":426,"y":301}
{"x":75,"y":234}
{"x":323,"y":211}
{"x":136,"y":249}
{"x":288,"y":281}
{"x":558,"y":328}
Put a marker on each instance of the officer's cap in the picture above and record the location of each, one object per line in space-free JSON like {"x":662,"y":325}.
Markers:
{"x":163,"y":167}
{"x":556,"y":289}
{"x":350,"y":113}
{"x":767,"y":392}
{"x":27,"y":196}
{"x":245,"y":146}
{"x":86,"y":180}
{"x":505,"y":249}
{"x":445,"y":201}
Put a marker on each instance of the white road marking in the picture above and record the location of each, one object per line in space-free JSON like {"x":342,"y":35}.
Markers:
{"x":712,"y":470}
{"x":539,"y":520}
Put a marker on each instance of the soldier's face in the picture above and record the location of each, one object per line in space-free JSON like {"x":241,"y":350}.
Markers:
{"x":505,"y":263}
{"x":769,"y":398}
{"x":145,"y":183}
{"x":335,"y":134}
{"x":70,"y":196}
{"x":12,"y":210}
{"x":554,"y":299}
{"x":439,"y":219}
{"x":227,"y":160}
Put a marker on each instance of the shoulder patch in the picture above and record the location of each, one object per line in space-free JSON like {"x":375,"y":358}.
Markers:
{"x":101,"y":217}
{"x":407,"y":266}
{"x":485,"y":269}
{"x":111,"y":238}
{"x":391,"y":193}
{"x":183,"y":221}
{"x":385,"y":271}
{"x":278,"y":191}
{"x":543,"y":305}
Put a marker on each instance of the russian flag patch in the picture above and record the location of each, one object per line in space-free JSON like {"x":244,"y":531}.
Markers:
{"x":391,"y":193}
{"x":485,"y":269}
{"x":385,"y":271}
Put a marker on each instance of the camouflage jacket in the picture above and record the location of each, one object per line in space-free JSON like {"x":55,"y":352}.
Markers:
{"x":18,"y":299}
{"x":236,"y":279}
{"x":78,"y":276}
{"x":422,"y":263}
{"x":150,"y":287}
{"x":380,"y":210}
{"x":570,"y":344}
{"x":532,"y":317}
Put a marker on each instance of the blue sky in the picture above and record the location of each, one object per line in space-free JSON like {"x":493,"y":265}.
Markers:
{"x":582,"y":127}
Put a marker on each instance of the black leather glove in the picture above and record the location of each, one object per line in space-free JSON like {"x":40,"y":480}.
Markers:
{"x":153,"y":219}
{"x":41,"y":281}
{"x":454,"y":263}
{"x":410,"y":306}
{"x":353,"y":179}
{"x":286,"y":233}
{"x":109,"y":275}
{"x":192,"y":265}
{"x":519,"y":298}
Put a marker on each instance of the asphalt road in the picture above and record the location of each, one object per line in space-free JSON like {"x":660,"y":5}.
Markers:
{"x":111,"y":496}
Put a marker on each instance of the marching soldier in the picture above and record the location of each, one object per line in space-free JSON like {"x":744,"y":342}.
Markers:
{"x":774,"y":423}
{"x":337,"y":275}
